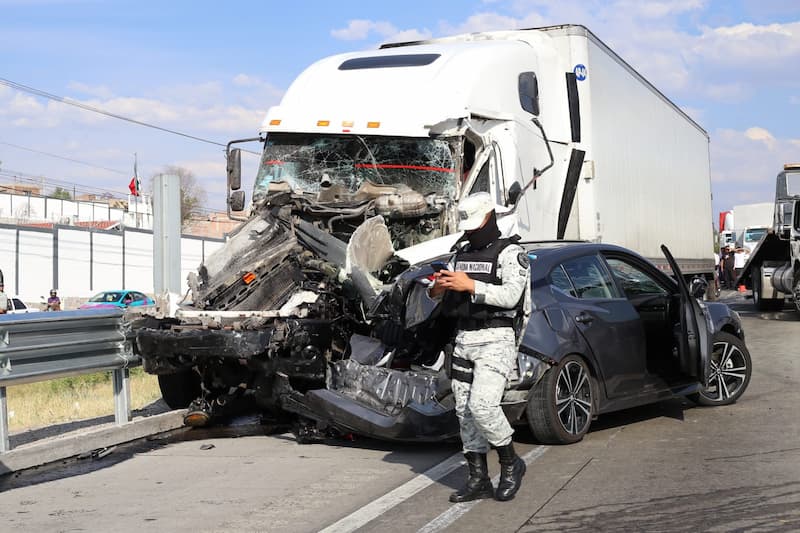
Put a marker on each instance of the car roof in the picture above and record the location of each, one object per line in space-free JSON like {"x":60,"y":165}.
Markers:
{"x":549,"y":253}
{"x":568,"y":248}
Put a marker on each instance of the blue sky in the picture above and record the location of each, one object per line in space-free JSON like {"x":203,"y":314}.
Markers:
{"x":212,"y":71}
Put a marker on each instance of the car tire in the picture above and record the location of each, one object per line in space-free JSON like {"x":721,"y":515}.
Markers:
{"x":561,"y":405}
{"x":764,"y":304}
{"x":180,"y":389}
{"x":731,"y":367}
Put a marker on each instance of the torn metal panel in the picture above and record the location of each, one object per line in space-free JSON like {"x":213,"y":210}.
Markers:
{"x":386,"y":389}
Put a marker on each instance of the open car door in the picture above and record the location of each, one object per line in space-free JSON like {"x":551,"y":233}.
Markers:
{"x":695,"y":342}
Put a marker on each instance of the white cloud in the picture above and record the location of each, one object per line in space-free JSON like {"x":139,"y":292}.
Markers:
{"x":762,"y":135}
{"x":751,"y":46}
{"x":658,"y":9}
{"x":99,"y":91}
{"x":752,"y":156}
{"x":489,"y":21}
{"x":744,"y":165}
{"x":27,"y":111}
{"x":361,"y":29}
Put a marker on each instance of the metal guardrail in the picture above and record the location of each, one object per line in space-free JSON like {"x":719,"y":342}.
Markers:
{"x":43,"y":346}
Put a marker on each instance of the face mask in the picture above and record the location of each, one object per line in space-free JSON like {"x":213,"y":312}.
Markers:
{"x":485,"y":235}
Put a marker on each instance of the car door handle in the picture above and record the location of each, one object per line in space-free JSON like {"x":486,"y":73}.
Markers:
{"x":584,"y":318}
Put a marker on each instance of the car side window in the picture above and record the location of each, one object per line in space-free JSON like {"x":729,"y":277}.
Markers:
{"x":633,"y":280}
{"x":590,"y":278}
{"x":559,"y":280}
{"x":18,"y":303}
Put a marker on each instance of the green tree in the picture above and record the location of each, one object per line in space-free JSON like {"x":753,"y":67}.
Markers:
{"x":61,"y":194}
{"x":193,"y":195}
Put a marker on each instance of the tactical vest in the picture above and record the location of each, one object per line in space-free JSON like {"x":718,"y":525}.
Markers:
{"x":480,"y":265}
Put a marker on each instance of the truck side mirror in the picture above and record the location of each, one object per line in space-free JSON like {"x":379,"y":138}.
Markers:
{"x":514,"y":193}
{"x":236,"y":201}
{"x":235,"y":170}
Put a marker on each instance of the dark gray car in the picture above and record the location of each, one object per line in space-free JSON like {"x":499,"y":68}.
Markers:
{"x":608,"y":331}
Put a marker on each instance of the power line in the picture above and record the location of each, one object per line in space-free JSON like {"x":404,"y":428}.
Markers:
{"x":68,"y":101}
{"x":64,"y":158}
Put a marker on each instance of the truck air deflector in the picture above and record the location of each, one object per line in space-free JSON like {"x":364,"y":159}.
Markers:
{"x":574,"y":107}
{"x":393,"y":61}
{"x":570,"y":187}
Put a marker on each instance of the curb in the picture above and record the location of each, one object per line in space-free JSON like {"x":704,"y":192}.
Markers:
{"x":71,"y":444}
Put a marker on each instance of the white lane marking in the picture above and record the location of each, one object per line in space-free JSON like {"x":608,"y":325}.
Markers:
{"x":376,"y":508}
{"x":457,"y":510}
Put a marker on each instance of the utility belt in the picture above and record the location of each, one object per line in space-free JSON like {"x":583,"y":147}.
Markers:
{"x":472,"y":324}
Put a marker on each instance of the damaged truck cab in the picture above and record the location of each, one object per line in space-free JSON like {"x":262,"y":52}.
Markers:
{"x":364,"y":162}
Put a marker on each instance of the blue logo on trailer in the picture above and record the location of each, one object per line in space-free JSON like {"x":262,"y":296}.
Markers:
{"x":580,"y":71}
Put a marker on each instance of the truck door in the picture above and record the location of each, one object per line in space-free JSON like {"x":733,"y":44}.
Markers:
{"x":694,"y":344}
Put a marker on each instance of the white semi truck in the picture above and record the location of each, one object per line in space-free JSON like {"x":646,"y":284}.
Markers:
{"x":550,"y":121}
{"x":751,"y":223}
{"x":365,"y":160}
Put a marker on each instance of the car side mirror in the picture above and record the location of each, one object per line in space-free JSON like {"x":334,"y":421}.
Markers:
{"x":698,"y":287}
{"x":236,"y":201}
{"x":235,"y":171}
{"x":514,"y":193}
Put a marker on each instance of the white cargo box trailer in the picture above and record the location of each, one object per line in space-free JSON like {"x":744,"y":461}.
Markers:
{"x":556,"y":126}
{"x":646,"y":176}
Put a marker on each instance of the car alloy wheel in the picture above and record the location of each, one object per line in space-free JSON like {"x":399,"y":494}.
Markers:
{"x":730,"y":369}
{"x":574,"y":398}
{"x":561,"y":406}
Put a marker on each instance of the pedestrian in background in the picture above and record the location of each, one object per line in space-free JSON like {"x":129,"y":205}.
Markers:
{"x":727,"y":265}
{"x":487,"y":292}
{"x":54,"y":302}
{"x":740,"y":257}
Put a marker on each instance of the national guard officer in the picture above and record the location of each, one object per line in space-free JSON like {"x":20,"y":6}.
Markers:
{"x":487,"y":291}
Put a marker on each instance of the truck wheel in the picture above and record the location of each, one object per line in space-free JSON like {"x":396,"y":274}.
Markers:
{"x":730,"y":371}
{"x":561,"y":405}
{"x":180,"y":389}
{"x":764,"y":304}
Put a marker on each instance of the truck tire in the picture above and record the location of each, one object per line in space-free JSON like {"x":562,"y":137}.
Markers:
{"x":764,"y":304}
{"x":180,"y":389}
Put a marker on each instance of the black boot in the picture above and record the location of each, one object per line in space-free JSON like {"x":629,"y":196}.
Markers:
{"x":512,"y":468}
{"x":478,"y":485}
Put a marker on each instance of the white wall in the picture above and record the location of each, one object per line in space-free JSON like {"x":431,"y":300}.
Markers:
{"x":88,"y":260}
{"x":74,"y":255}
{"x":35,"y":256}
{"x":38,"y":209}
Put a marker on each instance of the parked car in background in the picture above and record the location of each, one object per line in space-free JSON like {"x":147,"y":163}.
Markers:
{"x":121,"y":299}
{"x":17,"y":306}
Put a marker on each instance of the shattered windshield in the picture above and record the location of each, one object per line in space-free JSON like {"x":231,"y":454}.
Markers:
{"x":305,"y":161}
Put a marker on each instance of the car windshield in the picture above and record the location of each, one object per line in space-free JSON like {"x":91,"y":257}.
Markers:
{"x":754,"y":235}
{"x":304,"y":161}
{"x":112,"y":296}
